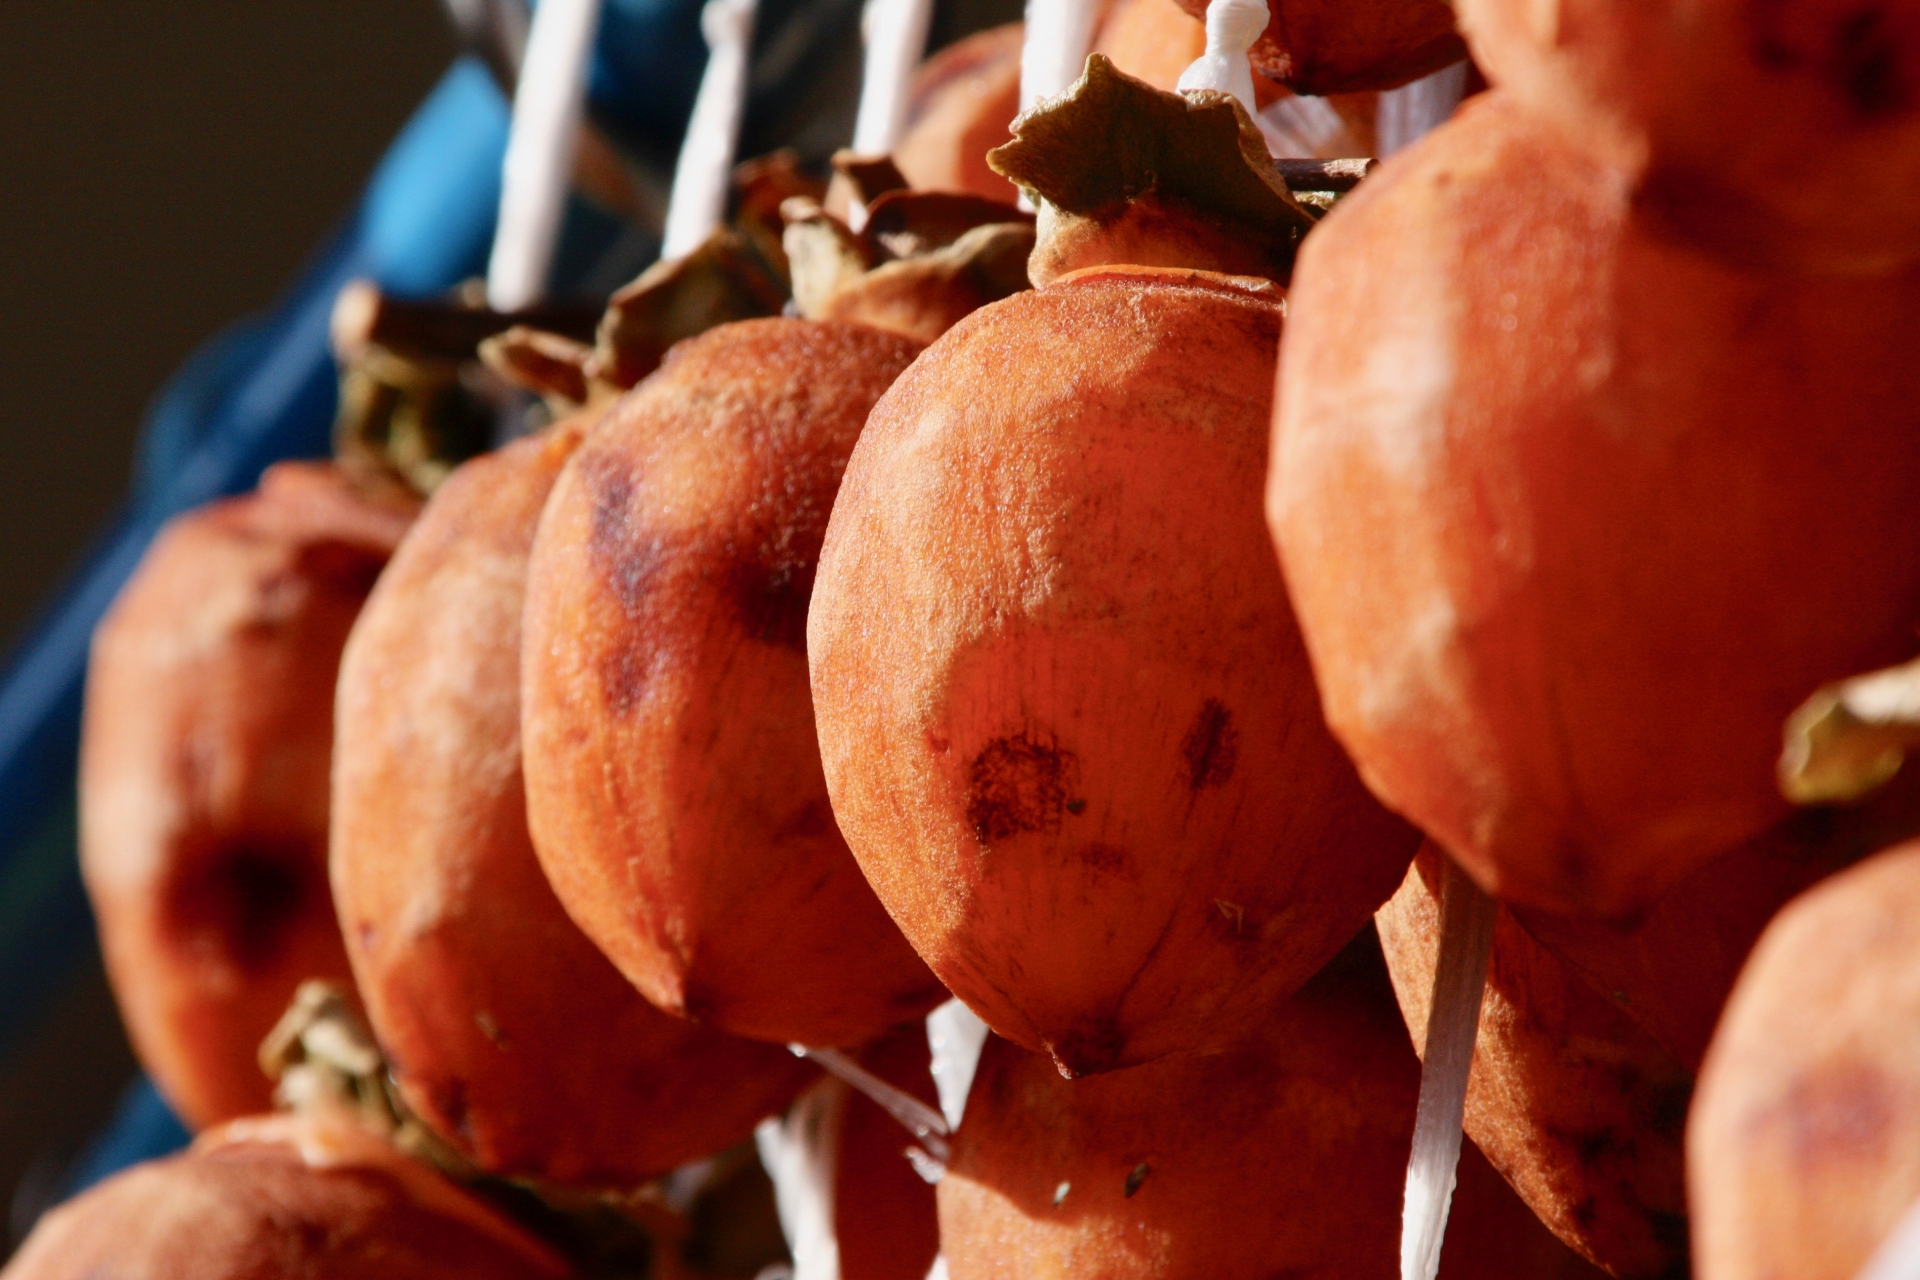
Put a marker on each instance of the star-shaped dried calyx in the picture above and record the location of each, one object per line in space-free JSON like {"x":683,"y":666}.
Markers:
{"x":721,"y":281}
{"x":923,"y":260}
{"x":414,"y":402}
{"x":1124,"y":173}
{"x":737,"y":273}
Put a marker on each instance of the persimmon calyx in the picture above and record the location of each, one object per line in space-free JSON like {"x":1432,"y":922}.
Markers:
{"x":721,"y":280}
{"x":323,"y":1059}
{"x":1122,"y":172}
{"x":1851,"y":737}
{"x":920,"y":261}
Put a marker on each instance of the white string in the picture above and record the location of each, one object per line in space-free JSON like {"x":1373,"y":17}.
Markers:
{"x":1898,"y":1257}
{"x":919,"y":1119}
{"x":1059,"y":36}
{"x":801,"y":1154}
{"x":1232,"y":28}
{"x":1408,"y":113}
{"x":704,"y":174}
{"x":1453,"y":1023}
{"x":537,"y":171}
{"x":896,"y":33}
{"x":956,"y":1036}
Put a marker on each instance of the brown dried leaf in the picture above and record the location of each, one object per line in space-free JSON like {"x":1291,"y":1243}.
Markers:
{"x":1112,"y":144}
{"x":722,"y":280}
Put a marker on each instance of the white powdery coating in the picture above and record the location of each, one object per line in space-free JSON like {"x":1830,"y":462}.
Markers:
{"x":1459,"y":980}
{"x":534,"y":177}
{"x":704,"y":173}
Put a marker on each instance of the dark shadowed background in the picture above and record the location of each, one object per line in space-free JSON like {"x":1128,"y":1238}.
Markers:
{"x":165,"y":167}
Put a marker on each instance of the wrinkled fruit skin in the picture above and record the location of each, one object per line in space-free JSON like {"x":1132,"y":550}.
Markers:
{"x":1577,"y":1106}
{"x":279,"y":1196}
{"x":1775,"y":134}
{"x":1346,"y":46}
{"x":964,"y":100}
{"x":1573,"y":519}
{"x":673,"y":778}
{"x":1067,"y":723}
{"x":203,"y":774}
{"x":1674,"y":970}
{"x":1803,"y":1149}
{"x":504,"y":1027}
{"x":1285,"y":1155}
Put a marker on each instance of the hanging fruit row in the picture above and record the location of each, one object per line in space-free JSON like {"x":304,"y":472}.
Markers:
{"x":923,"y":617}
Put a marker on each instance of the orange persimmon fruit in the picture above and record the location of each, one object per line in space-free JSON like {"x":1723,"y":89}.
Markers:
{"x":1785,"y":135}
{"x":205,"y":745}
{"x":1573,"y":517}
{"x":282,"y":1196}
{"x":1577,"y":1105}
{"x":1803,"y":1146}
{"x":1325,"y":47}
{"x":1068,"y":724}
{"x":962,"y":106}
{"x":673,"y":778}
{"x":504,"y":1028}
{"x":1284,"y":1154}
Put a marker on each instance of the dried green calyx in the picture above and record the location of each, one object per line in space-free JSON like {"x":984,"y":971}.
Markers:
{"x":1125,"y":173}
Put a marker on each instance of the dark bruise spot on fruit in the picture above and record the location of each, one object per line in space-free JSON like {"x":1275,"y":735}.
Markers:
{"x":814,"y":819}
{"x":1864,"y":60}
{"x":1670,"y":1230}
{"x":1840,"y":1115}
{"x":623,"y":678}
{"x":1136,"y":1177}
{"x":611,"y":486}
{"x":1211,"y":747}
{"x":1016,"y":785}
{"x":1858,"y":54}
{"x":1105,"y":857}
{"x":245,"y":897}
{"x":449,"y":1098}
{"x":341,"y":567}
{"x":771,"y":599}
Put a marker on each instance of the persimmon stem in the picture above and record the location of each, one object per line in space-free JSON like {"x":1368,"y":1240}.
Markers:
{"x":1453,"y":1023}
{"x":364,"y":316}
{"x":1324,"y":175}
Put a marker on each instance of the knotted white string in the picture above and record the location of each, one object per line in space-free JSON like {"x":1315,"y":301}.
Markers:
{"x":1232,"y":28}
